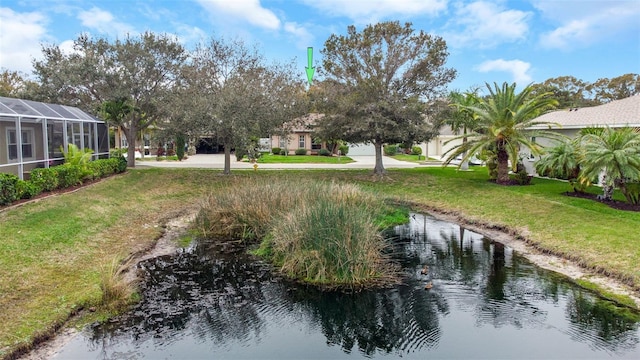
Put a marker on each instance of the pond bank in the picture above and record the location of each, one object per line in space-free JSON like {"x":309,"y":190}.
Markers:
{"x":175,"y":227}
{"x":517,"y":240}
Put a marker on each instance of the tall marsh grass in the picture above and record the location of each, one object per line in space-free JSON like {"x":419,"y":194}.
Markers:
{"x":318,"y":232}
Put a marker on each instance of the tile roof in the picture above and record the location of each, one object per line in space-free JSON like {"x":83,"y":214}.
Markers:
{"x":618,"y":113}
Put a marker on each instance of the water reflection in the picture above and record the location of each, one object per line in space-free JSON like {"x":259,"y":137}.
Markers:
{"x":485,"y":301}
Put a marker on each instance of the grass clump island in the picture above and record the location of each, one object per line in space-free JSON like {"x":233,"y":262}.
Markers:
{"x":319,"y":232}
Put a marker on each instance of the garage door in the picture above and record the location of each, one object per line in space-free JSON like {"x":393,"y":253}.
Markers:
{"x":362,"y":149}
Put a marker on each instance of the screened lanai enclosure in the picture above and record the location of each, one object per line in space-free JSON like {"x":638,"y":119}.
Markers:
{"x":33,"y":134}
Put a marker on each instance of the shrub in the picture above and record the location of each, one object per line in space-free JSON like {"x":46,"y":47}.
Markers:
{"x":283,"y":152}
{"x":27,"y":189}
{"x":69,"y":175}
{"x":119,"y":164}
{"x":45,"y":178}
{"x":301,"y":151}
{"x":390,"y":150}
{"x":8,"y":188}
{"x":344,"y":149}
{"x":521,"y":175}
{"x":160,"y":151}
{"x":324,"y":152}
{"x":180,"y":147}
{"x":416,"y":150}
{"x":276,"y":151}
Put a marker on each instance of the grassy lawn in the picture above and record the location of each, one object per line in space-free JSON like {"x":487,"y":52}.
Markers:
{"x":410,"y":158}
{"x":303,"y":159}
{"x":53,"y":251}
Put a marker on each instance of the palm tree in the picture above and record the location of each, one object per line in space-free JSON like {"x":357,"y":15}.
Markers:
{"x":115,"y":112}
{"x":617,"y":154}
{"x":463,"y":119}
{"x":504,"y":120}
{"x":563,"y":161}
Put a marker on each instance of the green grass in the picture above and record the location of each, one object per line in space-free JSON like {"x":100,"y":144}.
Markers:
{"x":303,"y":159}
{"x":410,"y":158}
{"x":53,"y":251}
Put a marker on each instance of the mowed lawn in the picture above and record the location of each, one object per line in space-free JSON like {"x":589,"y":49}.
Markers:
{"x":53,"y":251}
{"x":303,"y":159}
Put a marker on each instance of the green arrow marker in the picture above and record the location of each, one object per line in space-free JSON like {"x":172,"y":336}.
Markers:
{"x":310,"y":69}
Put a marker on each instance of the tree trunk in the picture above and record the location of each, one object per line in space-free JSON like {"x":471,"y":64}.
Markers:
{"x":131,"y":150}
{"x":227,"y":159}
{"x":465,"y":163}
{"x":503,"y":167}
{"x":379,"y":168}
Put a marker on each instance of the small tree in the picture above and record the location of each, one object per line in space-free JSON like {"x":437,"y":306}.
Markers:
{"x":563,"y":161}
{"x":616,"y":153}
{"x":504,"y":120}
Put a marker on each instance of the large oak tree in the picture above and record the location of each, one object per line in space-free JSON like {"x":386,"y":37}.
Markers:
{"x":382,"y":77}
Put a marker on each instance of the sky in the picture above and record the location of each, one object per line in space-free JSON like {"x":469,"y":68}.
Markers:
{"x":520,"y":41}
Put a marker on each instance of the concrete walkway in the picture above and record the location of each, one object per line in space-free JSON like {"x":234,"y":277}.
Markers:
{"x":216,"y":161}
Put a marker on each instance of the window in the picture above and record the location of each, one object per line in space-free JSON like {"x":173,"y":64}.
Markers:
{"x":27,"y":144}
{"x":301,"y":142}
{"x":315,"y":144}
{"x":283,"y":142}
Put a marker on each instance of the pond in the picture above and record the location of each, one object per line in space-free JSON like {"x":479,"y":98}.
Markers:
{"x":486,"y":301}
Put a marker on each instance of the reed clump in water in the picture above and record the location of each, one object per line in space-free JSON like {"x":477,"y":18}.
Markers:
{"x":317,"y":232}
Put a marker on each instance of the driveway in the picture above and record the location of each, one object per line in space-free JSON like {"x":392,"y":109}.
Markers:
{"x":216,"y":161}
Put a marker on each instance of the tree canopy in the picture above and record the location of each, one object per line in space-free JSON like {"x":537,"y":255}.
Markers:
{"x":380,"y":79}
{"x":141,"y":70}
{"x":231,"y":92}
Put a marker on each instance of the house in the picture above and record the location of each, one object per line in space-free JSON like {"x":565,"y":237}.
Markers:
{"x":298,"y":134}
{"x":569,"y":122}
{"x":33,"y":134}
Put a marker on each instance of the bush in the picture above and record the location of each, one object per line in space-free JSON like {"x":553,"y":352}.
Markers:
{"x":324,"y":152}
{"x":521,"y":175}
{"x":27,"y":189}
{"x":390,"y":150}
{"x":8,"y":188}
{"x":180,"y":147}
{"x":416,"y":150}
{"x":283,"y":152}
{"x":492,"y":167}
{"x":45,"y":178}
{"x":344,"y":149}
{"x":276,"y":151}
{"x":301,"y":151}
{"x":119,"y":164}
{"x":69,"y":175}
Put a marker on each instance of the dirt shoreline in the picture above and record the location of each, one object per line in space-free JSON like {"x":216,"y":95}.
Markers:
{"x":175,"y":227}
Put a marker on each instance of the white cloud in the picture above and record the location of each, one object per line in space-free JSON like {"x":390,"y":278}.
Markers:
{"x":21,"y":35}
{"x":588,"y":23}
{"x":301,"y":36}
{"x":246,"y":10}
{"x":518,"y":69}
{"x":188,"y":34}
{"x":483,"y":24}
{"x":373,"y":10}
{"x":104,"y":22}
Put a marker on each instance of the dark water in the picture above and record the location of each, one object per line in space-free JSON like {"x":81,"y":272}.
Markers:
{"x":486,"y":302}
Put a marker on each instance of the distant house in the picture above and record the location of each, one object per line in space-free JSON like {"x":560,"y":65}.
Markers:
{"x":569,"y":122}
{"x":298,"y":134}
{"x":33,"y":134}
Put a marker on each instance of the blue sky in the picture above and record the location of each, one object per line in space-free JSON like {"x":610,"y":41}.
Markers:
{"x":514,"y":41}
